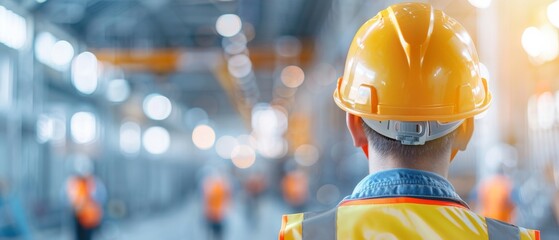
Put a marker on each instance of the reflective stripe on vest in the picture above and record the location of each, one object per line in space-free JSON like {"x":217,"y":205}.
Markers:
{"x":320,"y":225}
{"x":498,"y":230}
{"x":323,"y":226}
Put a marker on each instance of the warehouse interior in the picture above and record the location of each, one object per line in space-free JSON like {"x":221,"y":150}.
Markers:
{"x":156,"y":96}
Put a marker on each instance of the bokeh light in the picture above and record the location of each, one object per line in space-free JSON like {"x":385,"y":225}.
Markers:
{"x":130,"y":138}
{"x":546,"y":110}
{"x":14,"y":29}
{"x":306,"y":155}
{"x":43,"y":46}
{"x":228,"y":25}
{"x":156,"y":140}
{"x":157,"y":106}
{"x":61,"y":54}
{"x":553,"y":13}
{"x":243,"y":156}
{"x":84,"y":73}
{"x":45,"y":128}
{"x":203,"y":137}
{"x":239,"y":66}
{"x":292,"y":76}
{"x":225,"y":145}
{"x":118,"y":90}
{"x":532,"y":41}
{"x":57,"y":54}
{"x":541,"y":44}
{"x":83,"y":127}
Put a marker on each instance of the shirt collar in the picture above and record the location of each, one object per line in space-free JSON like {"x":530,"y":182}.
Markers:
{"x":403,"y":182}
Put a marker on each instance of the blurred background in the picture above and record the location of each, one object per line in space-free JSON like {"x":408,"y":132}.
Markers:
{"x":209,"y":119}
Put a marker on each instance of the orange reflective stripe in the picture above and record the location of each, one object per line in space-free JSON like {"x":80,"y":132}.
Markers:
{"x":282,"y":230}
{"x":401,"y":200}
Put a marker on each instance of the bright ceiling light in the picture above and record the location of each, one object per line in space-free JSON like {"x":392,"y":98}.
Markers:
{"x":553,"y":13}
{"x":130,"y":138}
{"x":118,"y":90}
{"x":272,"y":147}
{"x":480,"y":3}
{"x":541,"y":44}
{"x":243,"y":156}
{"x":532,"y":41}
{"x":156,"y":140}
{"x":225,"y":145}
{"x":84,"y":73}
{"x":228,"y":25}
{"x":268,"y":120}
{"x":550,"y":48}
{"x":83,"y":127}
{"x":14,"y":29}
{"x":157,"y":107}
{"x":43,"y":45}
{"x":203,"y":137}
{"x":57,"y":54}
{"x":292,"y":76}
{"x":61,"y":54}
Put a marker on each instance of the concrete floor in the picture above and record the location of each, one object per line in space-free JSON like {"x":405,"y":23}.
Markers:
{"x":186,"y":222}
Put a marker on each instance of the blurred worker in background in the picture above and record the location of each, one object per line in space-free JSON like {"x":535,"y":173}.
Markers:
{"x":494,"y":195}
{"x":217,"y":194}
{"x":411,"y":88}
{"x":254,"y":185}
{"x":86,"y":195}
{"x":295,"y":187}
{"x":13,"y":223}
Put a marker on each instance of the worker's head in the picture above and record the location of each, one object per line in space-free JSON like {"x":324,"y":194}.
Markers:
{"x":387,"y":147}
{"x":412,"y":83}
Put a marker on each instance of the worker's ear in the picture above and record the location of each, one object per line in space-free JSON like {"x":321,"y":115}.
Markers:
{"x":355,"y":127}
{"x":463,"y":135}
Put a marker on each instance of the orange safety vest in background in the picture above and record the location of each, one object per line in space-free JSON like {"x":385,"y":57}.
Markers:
{"x":87,"y":210}
{"x":399,"y":218}
{"x":494,"y":198}
{"x":216,"y":197}
{"x":295,"y":188}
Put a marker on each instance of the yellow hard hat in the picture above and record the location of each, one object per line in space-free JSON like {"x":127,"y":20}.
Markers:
{"x":412,"y":63}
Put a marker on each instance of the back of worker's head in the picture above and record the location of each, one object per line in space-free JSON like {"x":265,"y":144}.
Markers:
{"x":412,"y":83}
{"x":386,"y":147}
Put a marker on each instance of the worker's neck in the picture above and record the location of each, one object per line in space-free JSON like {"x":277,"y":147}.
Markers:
{"x":438,"y":165}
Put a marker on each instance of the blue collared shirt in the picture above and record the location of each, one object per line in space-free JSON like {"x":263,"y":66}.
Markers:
{"x":403,"y":182}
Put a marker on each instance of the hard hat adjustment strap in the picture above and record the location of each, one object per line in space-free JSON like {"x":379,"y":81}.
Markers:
{"x":412,"y":133}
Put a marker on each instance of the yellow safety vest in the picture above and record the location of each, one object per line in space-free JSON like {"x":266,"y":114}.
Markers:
{"x":399,"y":218}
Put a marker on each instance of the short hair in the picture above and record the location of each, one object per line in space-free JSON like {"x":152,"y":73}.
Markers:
{"x":394,"y":148}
